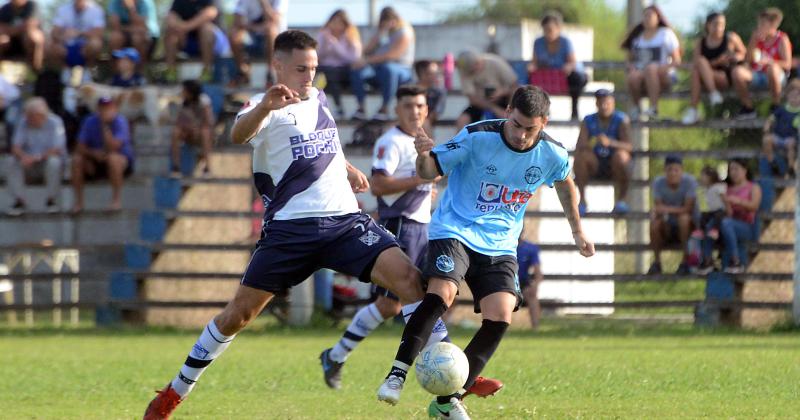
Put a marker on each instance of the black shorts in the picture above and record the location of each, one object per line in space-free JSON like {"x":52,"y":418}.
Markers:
{"x":485,"y":274}
{"x":101,"y":170}
{"x":412,"y":236}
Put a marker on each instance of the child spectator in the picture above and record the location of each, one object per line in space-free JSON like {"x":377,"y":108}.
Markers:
{"x":20,"y":33}
{"x":711,"y":218}
{"x":742,"y":199}
{"x":339,"y":46}
{"x":429,"y":77}
{"x":194,"y":126}
{"x":779,"y":144}
{"x":126,"y":75}
{"x":133,"y":23}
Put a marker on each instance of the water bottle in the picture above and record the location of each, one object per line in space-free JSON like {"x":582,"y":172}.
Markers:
{"x":448,"y":68}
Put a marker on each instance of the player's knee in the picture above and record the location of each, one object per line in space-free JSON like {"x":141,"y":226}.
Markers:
{"x":387,"y":307}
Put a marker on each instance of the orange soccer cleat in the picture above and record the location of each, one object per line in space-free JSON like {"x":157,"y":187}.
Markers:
{"x":163,"y":404}
{"x":484,"y":387}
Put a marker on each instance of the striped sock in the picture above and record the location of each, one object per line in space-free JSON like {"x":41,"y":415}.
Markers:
{"x":439,"y":332}
{"x":208,"y":347}
{"x":367,"y":319}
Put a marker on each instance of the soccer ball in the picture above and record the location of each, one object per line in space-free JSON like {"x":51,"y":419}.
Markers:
{"x":442,"y":368}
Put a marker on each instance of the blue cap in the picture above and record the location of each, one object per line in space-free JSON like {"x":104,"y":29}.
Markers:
{"x":602,"y":93}
{"x":105,"y":100}
{"x":129,"y":53}
{"x":670,"y":159}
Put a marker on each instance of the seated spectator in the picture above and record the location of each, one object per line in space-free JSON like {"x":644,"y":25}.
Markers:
{"x":20,"y":33}
{"x":103,"y":151}
{"x":10,"y":104}
{"x":742,"y":200}
{"x":430,"y":78}
{"x":530,"y":277}
{"x":553,"y":52}
{"x":488,"y":81}
{"x":769,"y":53}
{"x":194,"y":126}
{"x":125,"y":73}
{"x":77,"y":35}
{"x":256,"y":23}
{"x":604,"y":149}
{"x":388,"y":58}
{"x":711,"y":218}
{"x":653,"y":55}
{"x":339,"y":46}
{"x":674,"y":212}
{"x":716,"y":55}
{"x":189,"y":26}
{"x":779,"y":144}
{"x":133,"y":23}
{"x":38,"y":150}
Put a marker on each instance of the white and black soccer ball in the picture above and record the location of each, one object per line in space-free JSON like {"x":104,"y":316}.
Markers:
{"x":442,"y":368}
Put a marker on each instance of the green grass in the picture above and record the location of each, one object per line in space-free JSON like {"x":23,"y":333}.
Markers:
{"x":572,"y":369}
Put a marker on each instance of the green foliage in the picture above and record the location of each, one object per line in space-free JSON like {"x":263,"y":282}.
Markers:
{"x":742,"y":17}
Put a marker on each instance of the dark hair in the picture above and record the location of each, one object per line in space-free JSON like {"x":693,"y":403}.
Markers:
{"x":194,"y":90}
{"x":293,"y":39}
{"x":552,"y":17}
{"x":744,"y":163}
{"x":531,"y":101}
{"x":422,"y":65}
{"x":409,"y":90}
{"x":388,"y":13}
{"x":710,"y":18}
{"x":771,"y":14}
{"x":638,"y":29}
{"x":711,"y":173}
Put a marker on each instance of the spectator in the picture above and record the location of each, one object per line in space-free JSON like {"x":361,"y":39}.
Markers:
{"x":103,"y":150}
{"x":653,"y":55}
{"x":716,"y":55}
{"x":387,"y":62}
{"x":125,"y":74}
{"x":674,"y":213}
{"x":77,"y":35}
{"x":741,"y":204}
{"x":194,"y":126}
{"x":190,"y":27}
{"x":429,"y":76}
{"x":20,"y":33}
{"x":256,"y":23}
{"x":710,"y":219}
{"x":38,"y":149}
{"x":769,"y":53}
{"x":779,"y":144}
{"x":488,"y":82}
{"x":133,"y":23}
{"x":553,"y":52}
{"x":604,"y":150}
{"x":9,"y":109}
{"x":339,"y":46}
{"x":530,"y":277}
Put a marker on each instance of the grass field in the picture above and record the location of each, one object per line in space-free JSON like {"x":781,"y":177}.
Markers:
{"x":572,"y":369}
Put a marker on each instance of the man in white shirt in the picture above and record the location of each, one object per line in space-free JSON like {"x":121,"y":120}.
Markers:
{"x":256,"y":23}
{"x":77,"y":35}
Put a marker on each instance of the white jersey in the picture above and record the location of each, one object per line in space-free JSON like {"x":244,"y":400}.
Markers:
{"x":394,"y":155}
{"x":298,"y":163}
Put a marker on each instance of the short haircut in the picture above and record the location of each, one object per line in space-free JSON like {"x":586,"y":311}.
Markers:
{"x":36,"y":104}
{"x":531,"y":101}
{"x":772,"y":15}
{"x":552,"y":17}
{"x":409,"y":90}
{"x":422,"y":65}
{"x":292,"y":39}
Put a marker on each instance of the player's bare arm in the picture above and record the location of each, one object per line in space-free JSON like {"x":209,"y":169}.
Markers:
{"x":358,"y":181}
{"x":568,"y":196}
{"x":426,"y":165}
{"x":277,"y":97}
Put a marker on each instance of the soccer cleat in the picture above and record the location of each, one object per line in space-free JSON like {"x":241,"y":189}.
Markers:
{"x":163,"y":404}
{"x":453,"y":410}
{"x":389,"y":391}
{"x":331,"y":369}
{"x":484,"y":387}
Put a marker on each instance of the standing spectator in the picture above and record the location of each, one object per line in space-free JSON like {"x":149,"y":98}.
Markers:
{"x":488,"y":81}
{"x":741,"y":203}
{"x":674,"y":212}
{"x":194,"y":126}
{"x":190,"y":27}
{"x":430,"y":78}
{"x":20,"y":33}
{"x":103,"y":150}
{"x":133,"y":23}
{"x":339,"y":46}
{"x":769,"y":53}
{"x":77,"y":35}
{"x":125,"y":73}
{"x":530,"y":277}
{"x":653,"y":55}
{"x":553,"y":52}
{"x":779,"y":144}
{"x":38,"y":149}
{"x":716,"y":55}
{"x":604,"y":150}
{"x":387,"y":62}
{"x":256,"y":23}
{"x":711,"y":218}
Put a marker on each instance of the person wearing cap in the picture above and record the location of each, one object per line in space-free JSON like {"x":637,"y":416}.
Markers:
{"x":125,"y":74}
{"x":604,"y":149}
{"x":674,"y":212}
{"x":488,"y":82}
{"x":103,"y":151}
{"x":38,"y":149}
{"x":133,"y":23}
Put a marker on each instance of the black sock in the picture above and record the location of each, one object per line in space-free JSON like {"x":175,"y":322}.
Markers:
{"x":482,"y":346}
{"x":419,"y":327}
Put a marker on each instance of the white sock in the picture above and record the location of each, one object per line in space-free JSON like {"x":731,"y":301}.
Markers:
{"x":208,"y":347}
{"x":439,"y":332}
{"x":367,"y":319}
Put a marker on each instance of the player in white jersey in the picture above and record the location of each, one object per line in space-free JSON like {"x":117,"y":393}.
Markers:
{"x":312,"y":220}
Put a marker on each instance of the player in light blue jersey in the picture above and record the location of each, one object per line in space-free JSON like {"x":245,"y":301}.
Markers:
{"x":494,"y":168}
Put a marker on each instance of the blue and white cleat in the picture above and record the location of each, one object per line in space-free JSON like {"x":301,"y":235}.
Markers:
{"x":331,"y":370}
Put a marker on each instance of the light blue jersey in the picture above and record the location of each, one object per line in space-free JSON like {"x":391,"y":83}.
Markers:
{"x":490,"y":184}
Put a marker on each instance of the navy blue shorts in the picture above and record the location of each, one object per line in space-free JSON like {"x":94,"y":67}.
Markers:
{"x":291,"y":250}
{"x":412,"y":236}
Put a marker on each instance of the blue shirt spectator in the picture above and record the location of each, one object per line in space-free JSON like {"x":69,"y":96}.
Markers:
{"x":91,"y":134}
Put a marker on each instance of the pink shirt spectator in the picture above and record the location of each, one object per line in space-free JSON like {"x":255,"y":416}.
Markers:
{"x":744,"y":192}
{"x":336,"y":52}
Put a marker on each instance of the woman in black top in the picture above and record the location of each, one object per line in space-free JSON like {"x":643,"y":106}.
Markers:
{"x":715,"y":56}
